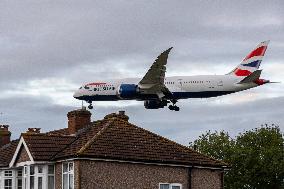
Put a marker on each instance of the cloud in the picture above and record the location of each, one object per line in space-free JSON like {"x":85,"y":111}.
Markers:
{"x":48,"y":49}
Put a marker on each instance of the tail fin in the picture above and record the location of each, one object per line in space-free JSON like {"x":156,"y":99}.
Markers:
{"x":252,"y":61}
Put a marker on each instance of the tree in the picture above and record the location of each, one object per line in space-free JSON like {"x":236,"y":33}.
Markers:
{"x":256,"y":156}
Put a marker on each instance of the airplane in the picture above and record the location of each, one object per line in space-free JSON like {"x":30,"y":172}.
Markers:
{"x":157,"y":91}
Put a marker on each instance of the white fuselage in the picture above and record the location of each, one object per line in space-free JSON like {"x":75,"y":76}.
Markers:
{"x":182,"y":87}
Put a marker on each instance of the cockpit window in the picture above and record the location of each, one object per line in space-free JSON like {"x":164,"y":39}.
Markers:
{"x":80,"y":87}
{"x":86,"y":87}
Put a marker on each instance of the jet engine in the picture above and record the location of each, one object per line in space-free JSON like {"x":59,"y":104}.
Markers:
{"x":154,"y":104}
{"x":128,"y":91}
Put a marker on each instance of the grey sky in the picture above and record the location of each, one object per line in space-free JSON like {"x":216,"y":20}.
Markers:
{"x":49,"y":48}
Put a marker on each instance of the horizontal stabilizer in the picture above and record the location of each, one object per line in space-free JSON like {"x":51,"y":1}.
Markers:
{"x":252,"y":77}
{"x":274,"y":82}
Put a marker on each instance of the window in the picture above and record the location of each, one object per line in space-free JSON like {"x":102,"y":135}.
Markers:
{"x":25,"y":177}
{"x":164,"y":186}
{"x":8,"y":179}
{"x":39,"y":183}
{"x":50,"y":177}
{"x":40,"y":169}
{"x":19,"y":179}
{"x":32,"y":177}
{"x":8,"y":183}
{"x":170,"y":186}
{"x":8,"y":173}
{"x":68,"y":175}
{"x":39,"y":177}
{"x":19,"y":183}
{"x":176,"y":186}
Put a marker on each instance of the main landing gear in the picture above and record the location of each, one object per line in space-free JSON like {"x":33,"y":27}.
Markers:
{"x":173,"y":106}
{"x":90,"y":105}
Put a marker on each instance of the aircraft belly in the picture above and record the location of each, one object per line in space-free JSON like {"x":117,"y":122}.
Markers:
{"x":100,"y":98}
{"x":201,"y":94}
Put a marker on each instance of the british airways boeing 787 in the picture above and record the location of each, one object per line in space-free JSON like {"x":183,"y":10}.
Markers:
{"x":157,"y":91}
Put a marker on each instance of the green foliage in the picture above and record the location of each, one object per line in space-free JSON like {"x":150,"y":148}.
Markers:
{"x":256,"y":156}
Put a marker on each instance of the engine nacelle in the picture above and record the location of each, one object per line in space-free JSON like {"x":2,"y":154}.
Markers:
{"x":128,"y":91}
{"x":154,"y":104}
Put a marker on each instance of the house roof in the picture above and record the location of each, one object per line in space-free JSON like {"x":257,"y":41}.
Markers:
{"x":112,"y":138}
{"x":6,"y":153}
{"x":44,"y":146}
{"x":117,"y":139}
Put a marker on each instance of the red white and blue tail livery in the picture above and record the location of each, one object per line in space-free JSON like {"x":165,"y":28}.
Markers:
{"x":252,"y":61}
{"x":157,"y":91}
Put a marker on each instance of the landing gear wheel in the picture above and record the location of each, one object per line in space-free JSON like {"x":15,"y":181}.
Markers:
{"x":171,"y":107}
{"x":176,"y":108}
{"x":90,"y":106}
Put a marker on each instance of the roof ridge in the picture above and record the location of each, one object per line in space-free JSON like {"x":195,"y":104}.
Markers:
{"x":77,"y":136}
{"x":46,"y":134}
{"x":91,"y":141}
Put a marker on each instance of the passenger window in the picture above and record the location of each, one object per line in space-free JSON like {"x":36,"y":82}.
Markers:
{"x":86,"y":87}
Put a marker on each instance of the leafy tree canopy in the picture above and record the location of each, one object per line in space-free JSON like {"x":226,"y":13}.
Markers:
{"x":256,"y":156}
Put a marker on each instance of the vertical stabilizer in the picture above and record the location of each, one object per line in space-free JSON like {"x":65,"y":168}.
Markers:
{"x":252,"y":61}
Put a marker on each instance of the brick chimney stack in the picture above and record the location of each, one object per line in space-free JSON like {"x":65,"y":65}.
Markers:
{"x":78,"y":119}
{"x":5,"y":135}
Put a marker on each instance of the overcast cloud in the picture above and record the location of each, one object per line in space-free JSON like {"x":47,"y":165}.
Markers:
{"x":49,"y":48}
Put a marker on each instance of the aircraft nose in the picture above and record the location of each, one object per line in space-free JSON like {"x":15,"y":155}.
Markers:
{"x":77,"y":94}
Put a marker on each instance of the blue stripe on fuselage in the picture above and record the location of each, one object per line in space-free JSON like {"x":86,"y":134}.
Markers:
{"x":177,"y":95}
{"x":203,"y":94}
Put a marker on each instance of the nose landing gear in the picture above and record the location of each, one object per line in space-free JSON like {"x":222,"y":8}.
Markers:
{"x":90,"y":105}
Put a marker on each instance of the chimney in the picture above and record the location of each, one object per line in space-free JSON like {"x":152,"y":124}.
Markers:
{"x":33,"y":131}
{"x":78,"y":119}
{"x":121,"y":115}
{"x":5,"y":135}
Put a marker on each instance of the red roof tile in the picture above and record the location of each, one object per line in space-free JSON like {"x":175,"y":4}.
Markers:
{"x":44,"y":146}
{"x":6,"y":153}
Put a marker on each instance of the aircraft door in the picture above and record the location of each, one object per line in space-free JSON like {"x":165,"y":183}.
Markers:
{"x":180,"y":84}
{"x":220,"y":83}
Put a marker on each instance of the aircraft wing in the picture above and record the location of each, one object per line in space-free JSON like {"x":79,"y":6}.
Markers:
{"x":153,"y":81}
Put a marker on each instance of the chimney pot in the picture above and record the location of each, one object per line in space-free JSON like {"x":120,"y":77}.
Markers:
{"x":33,"y":130}
{"x":5,"y":135}
{"x":120,"y":115}
{"x":121,"y":112}
{"x":78,"y":119}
